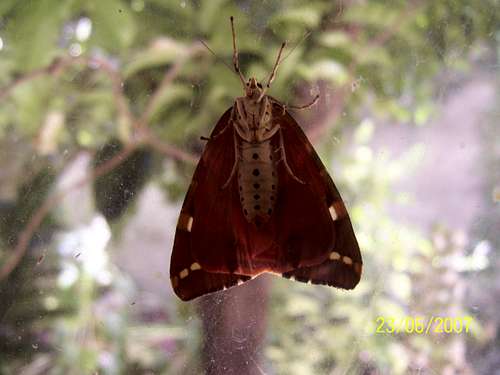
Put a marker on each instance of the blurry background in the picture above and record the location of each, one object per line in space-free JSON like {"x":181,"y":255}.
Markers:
{"x":102,"y":104}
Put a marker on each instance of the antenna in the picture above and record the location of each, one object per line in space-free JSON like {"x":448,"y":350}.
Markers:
{"x":306,"y":35}
{"x":216,"y":57}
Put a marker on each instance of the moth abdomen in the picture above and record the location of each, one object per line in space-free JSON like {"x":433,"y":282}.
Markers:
{"x":257,"y":181}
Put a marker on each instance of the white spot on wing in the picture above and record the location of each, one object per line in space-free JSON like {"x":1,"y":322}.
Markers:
{"x":185,"y":222}
{"x":333,"y":212}
{"x":184,"y":273}
{"x":195,"y":266}
{"x":347,"y":260}
{"x":334,"y":255}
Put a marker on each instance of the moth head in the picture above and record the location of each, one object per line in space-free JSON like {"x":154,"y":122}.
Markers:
{"x":253,"y":88}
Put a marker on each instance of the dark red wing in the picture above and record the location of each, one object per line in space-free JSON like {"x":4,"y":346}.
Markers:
{"x":203,"y":219}
{"x":213,"y":242}
{"x":314,"y":227}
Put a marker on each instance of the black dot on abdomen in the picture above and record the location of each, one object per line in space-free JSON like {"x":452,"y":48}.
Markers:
{"x":256,"y":186}
{"x":256,"y":207}
{"x":255,"y":156}
{"x":256,"y":196}
{"x":256,"y":172}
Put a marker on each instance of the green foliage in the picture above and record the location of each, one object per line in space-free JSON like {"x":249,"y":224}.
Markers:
{"x":24,"y":311}
{"x":105,"y":16}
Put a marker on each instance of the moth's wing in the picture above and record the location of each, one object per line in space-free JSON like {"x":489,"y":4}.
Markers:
{"x":320,"y":236}
{"x":204,"y":257}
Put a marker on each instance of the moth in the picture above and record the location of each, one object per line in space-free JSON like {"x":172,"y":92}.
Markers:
{"x":261,"y":201}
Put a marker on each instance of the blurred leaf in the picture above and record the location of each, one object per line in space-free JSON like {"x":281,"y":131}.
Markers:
{"x":175,"y":93}
{"x":378,"y":56}
{"x":372,"y":14}
{"x":113,"y":22}
{"x":308,"y":16}
{"x":334,"y":39}
{"x":33,"y":32}
{"x":161,"y":51}
{"x":324,"y":70}
{"x":210,"y":14}
{"x":6,"y":6}
{"x":32,"y":100}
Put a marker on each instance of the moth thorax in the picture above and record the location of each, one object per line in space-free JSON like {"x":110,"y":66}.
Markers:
{"x":257,"y":181}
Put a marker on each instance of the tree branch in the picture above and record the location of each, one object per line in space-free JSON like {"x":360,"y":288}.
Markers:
{"x":168,"y":149}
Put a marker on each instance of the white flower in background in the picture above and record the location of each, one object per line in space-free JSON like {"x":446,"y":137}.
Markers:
{"x":85,"y":246}
{"x":83,"y":29}
{"x":68,"y":276}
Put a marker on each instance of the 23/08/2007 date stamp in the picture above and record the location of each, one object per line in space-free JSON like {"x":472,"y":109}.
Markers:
{"x":420,"y":325}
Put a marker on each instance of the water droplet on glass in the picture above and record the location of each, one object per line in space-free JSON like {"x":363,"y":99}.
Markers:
{"x":40,"y":259}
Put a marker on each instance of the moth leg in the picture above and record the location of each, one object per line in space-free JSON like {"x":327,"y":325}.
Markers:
{"x":306,"y":106}
{"x":300,"y":107}
{"x":241,"y":133}
{"x":235,"y":165}
{"x":270,"y":132}
{"x":236,"y":63}
{"x":240,"y":122}
{"x":283,"y":159}
{"x":273,"y":72}
{"x":215,"y":136}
